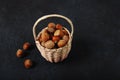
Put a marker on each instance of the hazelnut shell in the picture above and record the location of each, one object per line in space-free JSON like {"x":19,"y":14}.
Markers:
{"x":58,"y":26}
{"x":45,"y":36}
{"x":28,"y":63}
{"x":65,"y":32}
{"x":19,"y":53}
{"x":43,"y":44}
{"x":58,"y":33}
{"x":49,"y":44}
{"x":26,"y":45}
{"x":66,"y":38}
{"x":51,"y":25}
{"x":55,"y":38}
{"x":61,"y":43}
{"x":51,"y":30}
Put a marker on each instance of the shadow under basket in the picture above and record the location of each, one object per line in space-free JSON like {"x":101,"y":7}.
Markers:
{"x":58,"y":54}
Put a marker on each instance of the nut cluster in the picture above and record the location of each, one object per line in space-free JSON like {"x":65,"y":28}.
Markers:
{"x":54,"y":36}
{"x":21,"y":53}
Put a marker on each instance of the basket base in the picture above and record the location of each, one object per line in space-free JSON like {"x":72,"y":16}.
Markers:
{"x":54,"y":55}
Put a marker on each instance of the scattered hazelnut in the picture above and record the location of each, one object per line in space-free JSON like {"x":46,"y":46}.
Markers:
{"x":58,"y":33}
{"x":65,"y":37}
{"x":61,"y":43}
{"x":51,"y":30}
{"x":51,"y":25}
{"x":26,"y":45}
{"x":45,"y":36}
{"x":19,"y":53}
{"x":58,"y":26}
{"x":55,"y":39}
{"x":49,"y":44}
{"x":28,"y":63}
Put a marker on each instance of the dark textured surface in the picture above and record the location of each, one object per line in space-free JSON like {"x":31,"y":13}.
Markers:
{"x":95,"y":51}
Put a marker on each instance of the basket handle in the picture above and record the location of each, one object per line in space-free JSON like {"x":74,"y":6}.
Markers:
{"x":52,"y":15}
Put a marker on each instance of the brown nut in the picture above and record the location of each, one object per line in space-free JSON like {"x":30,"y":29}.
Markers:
{"x":55,"y":39}
{"x":43,"y":44}
{"x":58,"y":33}
{"x":65,"y":32}
{"x":59,"y":26}
{"x":44,"y":31}
{"x":66,"y":38}
{"x":51,"y":25}
{"x":19,"y":53}
{"x":26,"y":45}
{"x":28,"y":63}
{"x":39,"y":38}
{"x":45,"y":36}
{"x":49,"y":44}
{"x":51,"y":30}
{"x":61,"y":43}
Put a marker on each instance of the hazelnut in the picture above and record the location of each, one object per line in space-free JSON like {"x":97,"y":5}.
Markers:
{"x":58,"y":33}
{"x":49,"y":44}
{"x":51,"y":30}
{"x":61,"y":43}
{"x":44,"y":31}
{"x":51,"y":25}
{"x":65,"y":37}
{"x":55,"y":39}
{"x":39,"y":39}
{"x":43,"y":44}
{"x":45,"y":36}
{"x":61,"y":33}
{"x":19,"y":53}
{"x":65,"y":32}
{"x":26,"y":45}
{"x":28,"y":63}
{"x":58,"y":26}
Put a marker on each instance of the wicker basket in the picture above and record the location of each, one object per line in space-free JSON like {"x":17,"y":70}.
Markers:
{"x":54,"y":55}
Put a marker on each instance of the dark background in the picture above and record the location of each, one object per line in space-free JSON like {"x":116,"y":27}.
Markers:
{"x":95,"y":51}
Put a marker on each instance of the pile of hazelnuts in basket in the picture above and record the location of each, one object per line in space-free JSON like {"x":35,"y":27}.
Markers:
{"x":53,"y":36}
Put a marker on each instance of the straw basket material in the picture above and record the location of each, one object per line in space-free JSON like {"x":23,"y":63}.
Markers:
{"x":54,"y":55}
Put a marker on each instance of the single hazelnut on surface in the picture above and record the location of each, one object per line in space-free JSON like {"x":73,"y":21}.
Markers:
{"x":26,"y":45}
{"x":49,"y":44}
{"x":59,"y":26}
{"x":61,"y":43}
{"x":51,"y":25}
{"x":19,"y":53}
{"x":58,"y":33}
{"x":45,"y":36}
{"x":55,"y":38}
{"x":51,"y":30}
{"x":28,"y":63}
{"x":66,"y":38}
